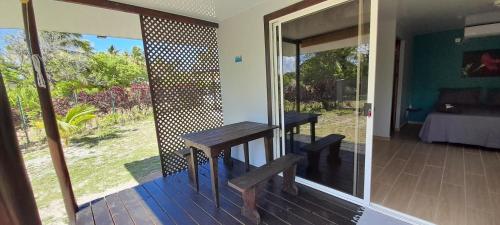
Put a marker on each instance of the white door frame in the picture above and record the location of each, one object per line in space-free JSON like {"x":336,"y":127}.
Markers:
{"x":275,"y":25}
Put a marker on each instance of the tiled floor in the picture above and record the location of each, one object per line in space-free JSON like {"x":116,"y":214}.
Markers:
{"x":441,"y":183}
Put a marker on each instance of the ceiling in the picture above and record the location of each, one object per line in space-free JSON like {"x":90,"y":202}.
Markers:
{"x":53,"y":15}
{"x":332,"y":19}
{"x":414,"y":17}
{"x":211,"y":10}
{"x":427,"y":16}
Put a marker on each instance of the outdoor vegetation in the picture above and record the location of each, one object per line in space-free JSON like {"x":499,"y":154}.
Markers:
{"x":104,"y":116}
{"x":328,"y":86}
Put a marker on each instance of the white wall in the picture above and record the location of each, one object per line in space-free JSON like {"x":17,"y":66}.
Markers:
{"x":404,"y":93}
{"x":402,"y":51}
{"x":244,"y":90}
{"x":386,"y":43}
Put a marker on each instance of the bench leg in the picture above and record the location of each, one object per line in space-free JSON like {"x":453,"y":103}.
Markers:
{"x":334,"y":154}
{"x":313,"y":161}
{"x":249,"y":209}
{"x":289,"y":185}
{"x":227,"y":158}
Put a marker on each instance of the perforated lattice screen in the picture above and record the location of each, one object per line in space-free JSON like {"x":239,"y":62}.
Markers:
{"x":183,"y":69}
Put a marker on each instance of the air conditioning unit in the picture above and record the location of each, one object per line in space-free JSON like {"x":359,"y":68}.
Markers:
{"x":482,"y":25}
{"x":482,"y":31}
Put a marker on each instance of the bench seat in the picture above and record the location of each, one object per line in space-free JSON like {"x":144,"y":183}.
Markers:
{"x":247,"y":183}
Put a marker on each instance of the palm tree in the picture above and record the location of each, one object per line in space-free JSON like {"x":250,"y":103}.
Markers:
{"x":74,"y":121}
{"x":112,"y":50}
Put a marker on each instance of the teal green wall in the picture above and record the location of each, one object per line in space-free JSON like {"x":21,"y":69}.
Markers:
{"x":437,"y":63}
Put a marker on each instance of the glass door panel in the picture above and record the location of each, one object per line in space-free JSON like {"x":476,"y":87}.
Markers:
{"x":321,"y":83}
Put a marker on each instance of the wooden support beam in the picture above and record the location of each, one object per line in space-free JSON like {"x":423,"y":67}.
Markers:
{"x":290,"y":9}
{"x":334,"y":36}
{"x":17,"y":202}
{"x":49,"y":117}
{"x":106,"y":4}
{"x":297,"y":78}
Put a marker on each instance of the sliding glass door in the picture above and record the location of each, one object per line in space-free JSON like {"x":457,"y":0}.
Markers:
{"x":320,"y":89}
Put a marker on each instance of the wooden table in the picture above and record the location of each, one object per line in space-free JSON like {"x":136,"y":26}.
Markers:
{"x":295,"y":119}
{"x":214,"y":141}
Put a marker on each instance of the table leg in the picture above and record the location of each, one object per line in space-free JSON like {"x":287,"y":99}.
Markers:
{"x":291,"y":141}
{"x":227,"y":157}
{"x":194,"y":168}
{"x":268,"y":145}
{"x":247,"y":156}
{"x":313,"y":132}
{"x":190,"y":169}
{"x":215,"y":179}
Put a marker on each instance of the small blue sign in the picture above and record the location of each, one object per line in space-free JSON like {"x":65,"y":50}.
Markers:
{"x":238,"y":59}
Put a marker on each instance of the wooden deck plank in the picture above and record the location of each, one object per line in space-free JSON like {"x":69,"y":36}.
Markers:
{"x":84,"y":215}
{"x":176,"y":213}
{"x":308,"y":192}
{"x":118,"y":211}
{"x":305,"y":198}
{"x":280,"y":210}
{"x":235,"y":199}
{"x":154,"y":210}
{"x":278,"y":200}
{"x":233,"y":209}
{"x":172,"y":200}
{"x":209,"y":207}
{"x":265,"y":214}
{"x":101,"y":212}
{"x":134,"y":207}
{"x":188,"y":205}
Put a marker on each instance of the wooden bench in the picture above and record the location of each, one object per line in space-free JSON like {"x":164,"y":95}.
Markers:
{"x":247,"y":183}
{"x":314,"y":149}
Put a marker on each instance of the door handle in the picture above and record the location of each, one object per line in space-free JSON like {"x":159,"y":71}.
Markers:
{"x":367,"y":109}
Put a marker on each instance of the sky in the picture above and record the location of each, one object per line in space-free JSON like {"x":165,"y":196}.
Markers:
{"x":122,"y":44}
{"x":99,"y":44}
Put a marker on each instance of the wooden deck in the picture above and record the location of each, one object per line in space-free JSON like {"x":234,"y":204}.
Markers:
{"x":171,"y":200}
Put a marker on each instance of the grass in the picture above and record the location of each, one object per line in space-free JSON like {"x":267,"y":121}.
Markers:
{"x":338,"y":122}
{"x":101,"y":163}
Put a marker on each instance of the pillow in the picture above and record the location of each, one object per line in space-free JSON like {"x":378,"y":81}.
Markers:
{"x":493,"y":97}
{"x":462,"y":96}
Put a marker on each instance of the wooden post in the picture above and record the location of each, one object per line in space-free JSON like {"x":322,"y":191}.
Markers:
{"x":49,"y":117}
{"x":297,"y":78}
{"x":17,"y":202}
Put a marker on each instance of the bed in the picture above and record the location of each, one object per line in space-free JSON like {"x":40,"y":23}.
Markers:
{"x":461,"y":117}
